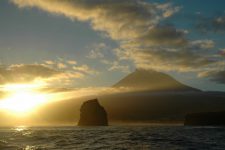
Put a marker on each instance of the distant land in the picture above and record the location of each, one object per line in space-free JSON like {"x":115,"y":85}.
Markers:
{"x":205,"y":119}
{"x":156,"y":97}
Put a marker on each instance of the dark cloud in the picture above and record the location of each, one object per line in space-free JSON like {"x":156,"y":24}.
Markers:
{"x":167,"y":59}
{"x":166,"y":35}
{"x":215,"y":76}
{"x":214,"y":24}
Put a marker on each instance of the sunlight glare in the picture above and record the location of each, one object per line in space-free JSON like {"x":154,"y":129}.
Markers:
{"x":23,"y":99}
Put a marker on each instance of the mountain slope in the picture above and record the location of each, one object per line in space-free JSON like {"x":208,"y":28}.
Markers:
{"x":153,"y":81}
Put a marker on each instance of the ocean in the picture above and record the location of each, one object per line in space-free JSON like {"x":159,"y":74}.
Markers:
{"x":134,"y":137}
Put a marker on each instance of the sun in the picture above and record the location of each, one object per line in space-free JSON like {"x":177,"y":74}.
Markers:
{"x":23,"y":99}
{"x":22,"y":102}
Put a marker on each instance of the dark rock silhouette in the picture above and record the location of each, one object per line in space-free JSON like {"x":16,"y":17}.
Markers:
{"x":205,"y":119}
{"x":92,"y":114}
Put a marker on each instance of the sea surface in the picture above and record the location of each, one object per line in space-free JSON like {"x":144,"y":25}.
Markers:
{"x":134,"y":137}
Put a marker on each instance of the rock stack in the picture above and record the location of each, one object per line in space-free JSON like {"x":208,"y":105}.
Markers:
{"x":92,"y":114}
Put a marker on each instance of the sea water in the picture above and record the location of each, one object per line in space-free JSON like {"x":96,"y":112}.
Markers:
{"x":136,"y":137}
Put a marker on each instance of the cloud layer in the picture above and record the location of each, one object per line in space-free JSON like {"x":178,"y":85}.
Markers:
{"x":138,"y":27}
{"x":49,"y":72}
{"x":25,"y":73}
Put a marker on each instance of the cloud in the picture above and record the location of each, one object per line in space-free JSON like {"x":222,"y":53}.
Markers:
{"x":222,"y":52}
{"x":219,"y":23}
{"x":95,"y":54}
{"x":97,"y":51}
{"x":106,"y":55}
{"x":138,"y":27}
{"x":165,"y":35}
{"x":72,"y":62}
{"x":214,"y":24}
{"x":69,"y":71}
{"x":60,"y":63}
{"x":217,"y":76}
{"x":193,"y":56}
{"x":169,"y":12}
{"x":49,"y":62}
{"x":25,"y":73}
{"x":116,"y":66}
{"x":132,"y":19}
{"x":70,"y":75}
{"x":203,"y":44}
{"x":61,"y":66}
{"x":85,"y":69}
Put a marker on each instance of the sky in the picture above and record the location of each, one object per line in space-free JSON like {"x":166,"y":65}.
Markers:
{"x":95,"y":43}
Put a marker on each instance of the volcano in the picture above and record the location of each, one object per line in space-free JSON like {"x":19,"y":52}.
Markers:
{"x":150,"y":80}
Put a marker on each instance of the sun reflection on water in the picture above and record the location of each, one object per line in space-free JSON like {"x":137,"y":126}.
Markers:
{"x":20,"y":128}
